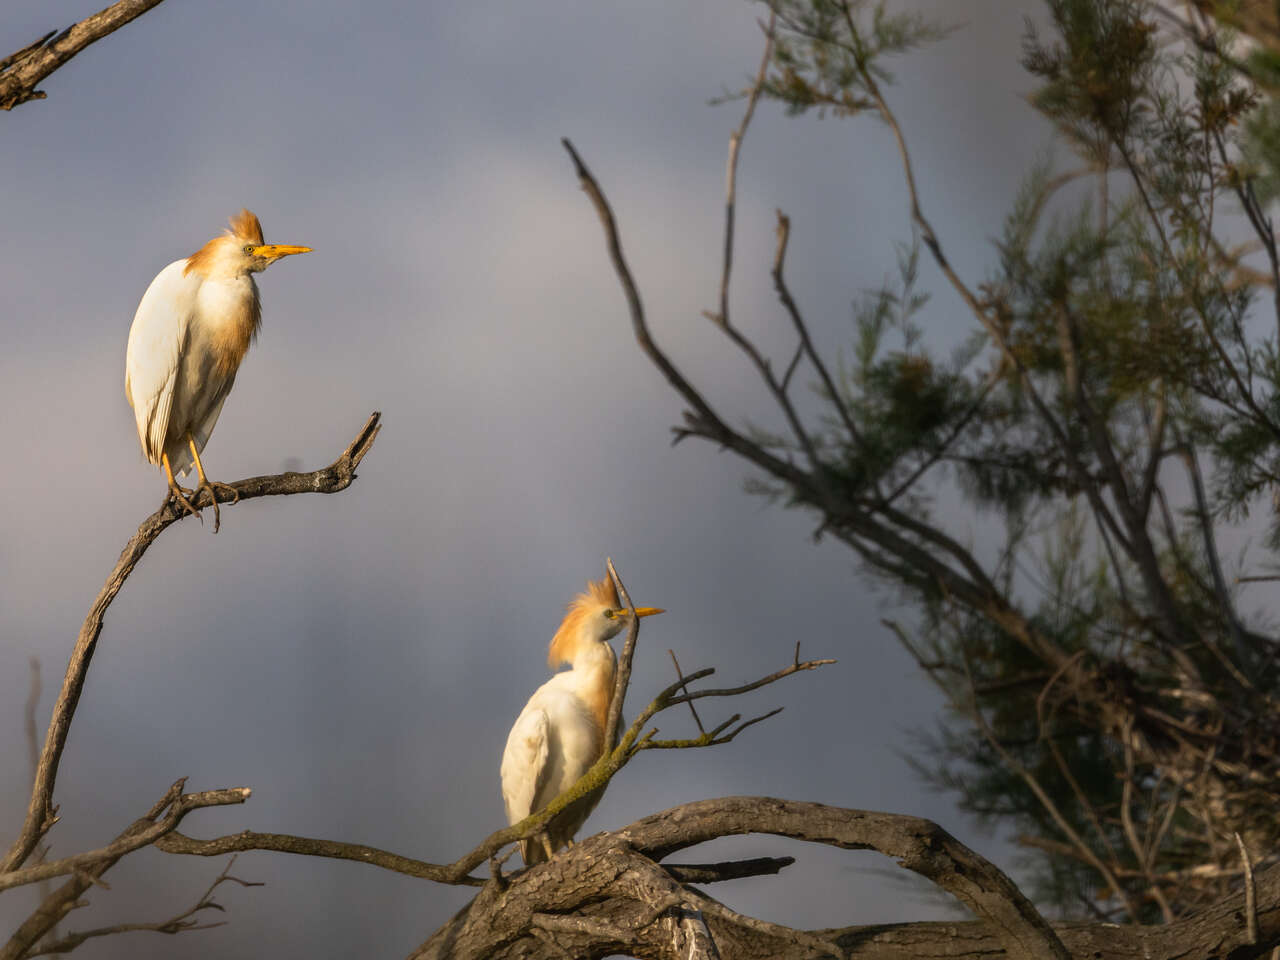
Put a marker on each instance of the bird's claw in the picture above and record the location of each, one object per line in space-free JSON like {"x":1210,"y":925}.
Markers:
{"x":213,"y":487}
{"x":179,"y":495}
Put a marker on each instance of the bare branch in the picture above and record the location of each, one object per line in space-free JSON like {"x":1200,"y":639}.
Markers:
{"x":731,"y":173}
{"x":918,"y":845}
{"x":40,"y":811}
{"x":181,"y":923}
{"x":729,"y":870}
{"x":308,"y":847}
{"x":1250,"y":892}
{"x":67,"y":897}
{"x":802,"y":331}
{"x":21,"y":71}
{"x":796,"y":667}
{"x":178,"y":808}
{"x":703,"y":417}
{"x":685,"y":688}
{"x":623,"y":679}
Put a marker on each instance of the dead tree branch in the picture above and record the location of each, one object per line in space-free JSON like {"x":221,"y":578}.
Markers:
{"x":67,"y":897}
{"x":181,"y":923}
{"x":623,"y":679}
{"x":613,"y":881}
{"x":22,"y":70}
{"x":177,"y":808}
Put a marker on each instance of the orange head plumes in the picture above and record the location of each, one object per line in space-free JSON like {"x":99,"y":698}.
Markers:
{"x":599,"y":598}
{"x":593,"y":617}
{"x":246,"y":228}
{"x":239,"y":251}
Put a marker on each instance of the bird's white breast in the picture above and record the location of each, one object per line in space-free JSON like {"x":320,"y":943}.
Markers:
{"x":221,"y":301}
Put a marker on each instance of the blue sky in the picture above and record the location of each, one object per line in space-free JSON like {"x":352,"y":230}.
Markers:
{"x":358,"y":659}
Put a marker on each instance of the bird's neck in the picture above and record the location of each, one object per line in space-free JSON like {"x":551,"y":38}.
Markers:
{"x":594,"y":667}
{"x":229,"y":305}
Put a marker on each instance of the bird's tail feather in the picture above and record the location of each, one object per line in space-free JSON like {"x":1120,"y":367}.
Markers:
{"x":180,"y":460}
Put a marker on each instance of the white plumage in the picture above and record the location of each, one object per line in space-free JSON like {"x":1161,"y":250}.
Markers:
{"x":559,"y":734}
{"x":191,"y":331}
{"x":170,"y":357}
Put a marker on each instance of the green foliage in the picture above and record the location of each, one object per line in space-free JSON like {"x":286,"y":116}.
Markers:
{"x":828,"y":49}
{"x":1114,"y":409}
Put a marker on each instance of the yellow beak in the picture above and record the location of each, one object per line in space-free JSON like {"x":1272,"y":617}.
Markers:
{"x":647,"y":611}
{"x":274,"y":251}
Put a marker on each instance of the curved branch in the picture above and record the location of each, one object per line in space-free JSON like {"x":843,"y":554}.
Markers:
{"x":918,"y":845}
{"x":21,"y":71}
{"x":611,"y":884}
{"x":246,"y":840}
{"x":41,"y":813}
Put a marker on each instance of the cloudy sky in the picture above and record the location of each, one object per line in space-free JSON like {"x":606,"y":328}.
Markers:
{"x":357,"y":660}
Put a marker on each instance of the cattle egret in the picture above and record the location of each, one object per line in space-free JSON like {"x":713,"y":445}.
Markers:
{"x":192,"y":329}
{"x":559,"y":734}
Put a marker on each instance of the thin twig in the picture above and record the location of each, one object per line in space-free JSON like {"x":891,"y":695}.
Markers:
{"x":753,"y":685}
{"x":685,"y":688}
{"x":703,"y":416}
{"x":181,"y":923}
{"x":1250,"y":891}
{"x":731,"y":173}
{"x":802,"y":331}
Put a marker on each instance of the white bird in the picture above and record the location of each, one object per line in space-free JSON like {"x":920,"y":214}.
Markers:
{"x":559,"y":734}
{"x":192,"y":329}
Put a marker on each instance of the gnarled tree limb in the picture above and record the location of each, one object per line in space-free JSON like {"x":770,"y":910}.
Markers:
{"x":607,"y":894}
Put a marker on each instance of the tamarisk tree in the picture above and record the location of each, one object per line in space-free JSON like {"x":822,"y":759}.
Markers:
{"x":1113,"y":416}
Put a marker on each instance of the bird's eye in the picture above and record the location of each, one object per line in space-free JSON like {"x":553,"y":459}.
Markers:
{"x":609,"y":614}
{"x":248,"y":249}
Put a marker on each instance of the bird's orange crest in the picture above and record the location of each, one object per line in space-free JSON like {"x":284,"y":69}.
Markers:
{"x":599,"y":593}
{"x":246,"y":228}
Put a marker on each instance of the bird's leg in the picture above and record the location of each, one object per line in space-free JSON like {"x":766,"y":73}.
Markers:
{"x":213,"y":488}
{"x":176,"y":491}
{"x":546,"y":845}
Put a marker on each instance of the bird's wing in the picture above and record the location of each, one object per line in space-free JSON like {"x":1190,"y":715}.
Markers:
{"x":156,"y":339}
{"x":524,"y":763}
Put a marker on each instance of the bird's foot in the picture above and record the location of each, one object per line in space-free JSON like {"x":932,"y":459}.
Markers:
{"x":182,"y":495}
{"x":214,"y":487}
